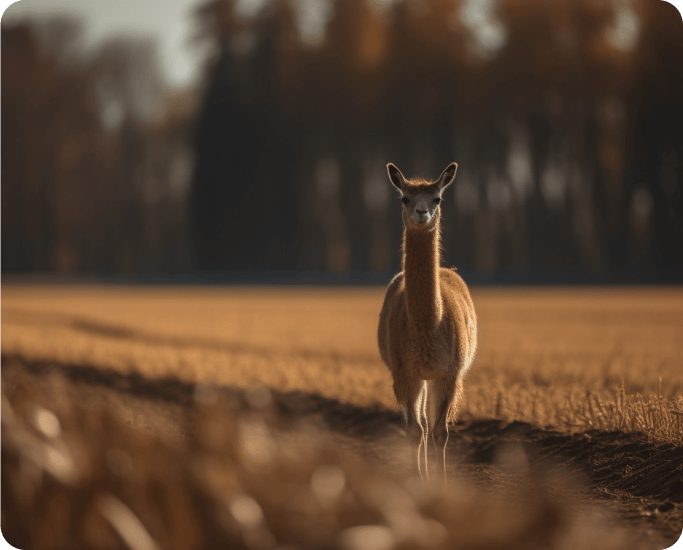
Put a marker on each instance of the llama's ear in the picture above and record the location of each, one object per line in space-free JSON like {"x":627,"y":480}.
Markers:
{"x":396,"y":177}
{"x":447,"y":177}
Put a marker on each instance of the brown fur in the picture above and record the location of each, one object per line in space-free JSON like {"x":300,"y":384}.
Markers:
{"x":427,"y":333}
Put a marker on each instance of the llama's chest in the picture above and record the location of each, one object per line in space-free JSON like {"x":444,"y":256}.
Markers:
{"x":430,"y":360}
{"x":428,"y":348}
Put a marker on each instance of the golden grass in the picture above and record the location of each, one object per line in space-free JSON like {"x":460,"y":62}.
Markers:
{"x":572,"y":358}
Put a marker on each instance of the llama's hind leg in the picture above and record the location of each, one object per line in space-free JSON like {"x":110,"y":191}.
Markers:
{"x":412,"y":394}
{"x":442,"y":393}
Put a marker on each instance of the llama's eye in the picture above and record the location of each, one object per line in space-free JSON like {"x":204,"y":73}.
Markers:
{"x":437,"y":200}
{"x":405,"y":200}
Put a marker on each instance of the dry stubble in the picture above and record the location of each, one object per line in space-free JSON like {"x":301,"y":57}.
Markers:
{"x":573,"y":358}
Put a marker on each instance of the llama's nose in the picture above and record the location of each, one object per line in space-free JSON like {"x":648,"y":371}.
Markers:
{"x":421,"y":216}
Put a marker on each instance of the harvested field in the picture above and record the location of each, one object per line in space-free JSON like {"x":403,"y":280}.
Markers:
{"x":572,"y":430}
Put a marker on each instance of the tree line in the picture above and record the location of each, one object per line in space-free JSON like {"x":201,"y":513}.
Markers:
{"x":564,"y":118}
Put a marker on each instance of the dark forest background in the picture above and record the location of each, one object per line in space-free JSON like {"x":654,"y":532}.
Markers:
{"x":565,"y":117}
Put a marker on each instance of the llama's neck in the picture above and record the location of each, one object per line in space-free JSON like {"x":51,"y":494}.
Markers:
{"x":421,"y":263}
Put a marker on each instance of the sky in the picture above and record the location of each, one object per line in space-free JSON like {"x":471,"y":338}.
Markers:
{"x":168,"y":21}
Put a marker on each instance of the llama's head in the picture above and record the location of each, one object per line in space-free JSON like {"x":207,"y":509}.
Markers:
{"x":421,"y":199}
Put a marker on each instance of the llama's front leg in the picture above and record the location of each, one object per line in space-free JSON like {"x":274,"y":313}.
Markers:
{"x":413,"y":395}
{"x":443,"y":396}
{"x":425,"y":427}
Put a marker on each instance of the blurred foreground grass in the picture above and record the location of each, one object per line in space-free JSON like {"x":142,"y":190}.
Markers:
{"x":226,"y":469}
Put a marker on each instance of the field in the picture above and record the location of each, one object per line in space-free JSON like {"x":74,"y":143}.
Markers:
{"x":571,"y":433}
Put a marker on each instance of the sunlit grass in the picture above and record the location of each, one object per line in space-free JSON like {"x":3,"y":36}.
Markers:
{"x":576,"y":359}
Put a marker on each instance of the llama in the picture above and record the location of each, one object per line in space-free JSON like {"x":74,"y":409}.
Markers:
{"x":427,"y":331}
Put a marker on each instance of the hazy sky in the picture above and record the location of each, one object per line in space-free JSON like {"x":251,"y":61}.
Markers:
{"x":169,"y":21}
